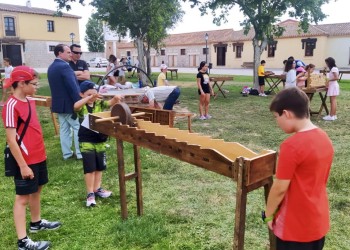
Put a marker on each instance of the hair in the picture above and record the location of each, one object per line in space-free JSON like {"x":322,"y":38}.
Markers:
{"x":7,"y":60}
{"x":289,"y":65}
{"x":330,"y":62}
{"x":74,"y":45}
{"x":291,"y":58}
{"x":291,"y":99}
{"x":284,"y":62}
{"x":15,"y":84}
{"x":310,"y":66}
{"x":201,"y":65}
{"x":112,"y":58}
{"x":59,"y":48}
{"x":262,"y":61}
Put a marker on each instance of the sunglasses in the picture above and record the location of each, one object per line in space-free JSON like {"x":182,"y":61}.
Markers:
{"x":77,"y":53}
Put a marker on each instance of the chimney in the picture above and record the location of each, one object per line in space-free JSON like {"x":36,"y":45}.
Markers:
{"x":29,"y":4}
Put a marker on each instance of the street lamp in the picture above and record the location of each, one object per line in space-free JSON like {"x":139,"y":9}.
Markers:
{"x":72,"y":35}
{"x":206,"y":47}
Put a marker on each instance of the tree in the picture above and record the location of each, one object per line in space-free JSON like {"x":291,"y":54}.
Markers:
{"x":262,"y":16}
{"x":144,"y":21}
{"x":94,"y":35}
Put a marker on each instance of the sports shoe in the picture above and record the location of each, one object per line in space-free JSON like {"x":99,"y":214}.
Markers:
{"x":202,"y":117}
{"x":102,"y":193}
{"x":44,"y":225}
{"x":208,"y":116}
{"x":90,"y":200}
{"x":263,"y":94}
{"x":28,"y":244}
{"x":329,"y":118}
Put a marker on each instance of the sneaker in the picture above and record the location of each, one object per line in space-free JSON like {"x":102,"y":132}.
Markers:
{"x":208,"y":116}
{"x":335,"y":117}
{"x":329,"y":118}
{"x":28,"y":244}
{"x":263,"y":94}
{"x":202,"y":117}
{"x":44,"y":225}
{"x":102,"y":193}
{"x":90,"y":200}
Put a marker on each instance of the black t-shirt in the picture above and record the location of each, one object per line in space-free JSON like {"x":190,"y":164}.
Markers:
{"x":79,"y":66}
{"x":204,"y":81}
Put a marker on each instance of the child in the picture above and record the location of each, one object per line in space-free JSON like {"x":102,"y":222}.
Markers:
{"x":111,"y":80}
{"x":204,"y":91}
{"x":8,"y":70}
{"x":30,"y":156}
{"x":291,"y":75}
{"x":92,"y":144}
{"x":297,"y":208}
{"x":261,"y":76}
{"x":162,"y":81}
{"x":333,"y":88}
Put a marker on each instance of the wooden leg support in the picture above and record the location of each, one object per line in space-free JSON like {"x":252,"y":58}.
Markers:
{"x":241,"y":204}
{"x":121,"y":174}
{"x":138,"y":180}
{"x":272,"y":237}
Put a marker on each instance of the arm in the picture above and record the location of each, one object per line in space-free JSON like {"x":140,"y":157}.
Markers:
{"x":26,"y":172}
{"x":79,"y":104}
{"x":276,"y":195}
{"x":114,"y":100}
{"x":200,"y":86}
{"x":82,"y":75}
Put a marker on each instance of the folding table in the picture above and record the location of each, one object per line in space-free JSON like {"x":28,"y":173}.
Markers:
{"x":323,"y":96}
{"x":217,"y":80}
{"x":273,"y":81}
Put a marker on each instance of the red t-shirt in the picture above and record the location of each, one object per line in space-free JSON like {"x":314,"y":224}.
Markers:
{"x":305,"y":158}
{"x":32,"y":147}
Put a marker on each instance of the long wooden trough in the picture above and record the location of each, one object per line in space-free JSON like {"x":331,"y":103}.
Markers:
{"x":249,"y":169}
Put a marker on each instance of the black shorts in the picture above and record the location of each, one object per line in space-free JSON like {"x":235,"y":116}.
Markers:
{"x":293,"y":245}
{"x":261,"y":80}
{"x":205,"y":88}
{"x":31,"y":186}
{"x":94,"y":156}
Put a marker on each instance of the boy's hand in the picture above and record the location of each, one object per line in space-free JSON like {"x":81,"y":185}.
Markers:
{"x":270,"y":225}
{"x":27,"y":173}
{"x":118,"y":98}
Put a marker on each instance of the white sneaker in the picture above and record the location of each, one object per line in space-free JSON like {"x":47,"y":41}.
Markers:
{"x":90,"y":200}
{"x":329,"y":118}
{"x":202,"y":117}
{"x":335,"y":117}
{"x":263,"y":94}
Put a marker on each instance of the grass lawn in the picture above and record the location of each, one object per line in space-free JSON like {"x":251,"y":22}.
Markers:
{"x":185,"y":207}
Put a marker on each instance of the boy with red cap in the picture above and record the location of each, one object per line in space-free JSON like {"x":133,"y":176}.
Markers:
{"x":31,"y":173}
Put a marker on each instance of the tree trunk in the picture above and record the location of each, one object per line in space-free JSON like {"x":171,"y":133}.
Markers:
{"x":148,"y":62}
{"x":258,"y":50}
{"x":141,"y":58}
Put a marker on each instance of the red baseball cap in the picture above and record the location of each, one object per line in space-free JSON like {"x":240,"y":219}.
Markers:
{"x":20,"y":73}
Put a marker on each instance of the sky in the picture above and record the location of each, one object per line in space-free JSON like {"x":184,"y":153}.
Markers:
{"x":337,"y":11}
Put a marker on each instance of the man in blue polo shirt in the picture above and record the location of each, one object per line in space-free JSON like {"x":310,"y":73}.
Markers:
{"x":80,"y":67}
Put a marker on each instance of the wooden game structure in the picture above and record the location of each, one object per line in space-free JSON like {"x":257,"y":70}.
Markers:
{"x":231,"y":159}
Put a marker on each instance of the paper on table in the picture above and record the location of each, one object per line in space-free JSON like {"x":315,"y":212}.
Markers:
{"x":86,"y":124}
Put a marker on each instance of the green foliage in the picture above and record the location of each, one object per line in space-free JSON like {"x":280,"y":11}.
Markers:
{"x":94,"y":35}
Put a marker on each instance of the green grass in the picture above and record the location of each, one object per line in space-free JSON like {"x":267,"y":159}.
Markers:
{"x":185,"y":207}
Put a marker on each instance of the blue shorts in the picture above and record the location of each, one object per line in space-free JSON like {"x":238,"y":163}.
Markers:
{"x":31,"y":186}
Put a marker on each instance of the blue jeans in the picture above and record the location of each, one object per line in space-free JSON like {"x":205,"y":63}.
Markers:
{"x":171,"y":99}
{"x":67,"y":124}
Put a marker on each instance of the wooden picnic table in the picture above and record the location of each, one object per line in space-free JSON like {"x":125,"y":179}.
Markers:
{"x":217,"y":80}
{"x":341,"y":72}
{"x":273,"y":81}
{"x":322,"y":92}
{"x":171,"y":73}
{"x":99,"y":78}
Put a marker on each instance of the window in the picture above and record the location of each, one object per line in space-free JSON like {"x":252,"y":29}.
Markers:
{"x":52,"y":47}
{"x":205,"y":51}
{"x":50,"y":26}
{"x":309,"y":44}
{"x":128,"y":53}
{"x":183,"y":52}
{"x":162,"y":52}
{"x":271,"y":48}
{"x":9,"y":26}
{"x":239,"y":50}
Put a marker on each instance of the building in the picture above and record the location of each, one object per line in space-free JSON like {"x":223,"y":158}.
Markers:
{"x":28,"y":35}
{"x":232,"y":49}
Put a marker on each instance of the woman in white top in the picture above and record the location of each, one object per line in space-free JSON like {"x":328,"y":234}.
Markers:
{"x":111,"y":80}
{"x":333,"y":88}
{"x":291,"y":76}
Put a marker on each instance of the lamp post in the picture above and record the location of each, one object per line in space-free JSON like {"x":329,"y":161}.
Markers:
{"x":206,"y":47}
{"x":72,"y":35}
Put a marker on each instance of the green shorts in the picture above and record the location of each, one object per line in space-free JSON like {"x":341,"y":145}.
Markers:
{"x":94,"y":156}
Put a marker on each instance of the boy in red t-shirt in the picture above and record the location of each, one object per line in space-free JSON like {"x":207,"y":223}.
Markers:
{"x":297,"y":207}
{"x":30,"y":155}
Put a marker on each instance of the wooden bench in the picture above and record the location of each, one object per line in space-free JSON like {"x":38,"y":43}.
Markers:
{"x":171,"y":73}
{"x":247,"y":65}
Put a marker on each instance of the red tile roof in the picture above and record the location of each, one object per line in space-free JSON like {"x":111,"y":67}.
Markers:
{"x":32,"y":10}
